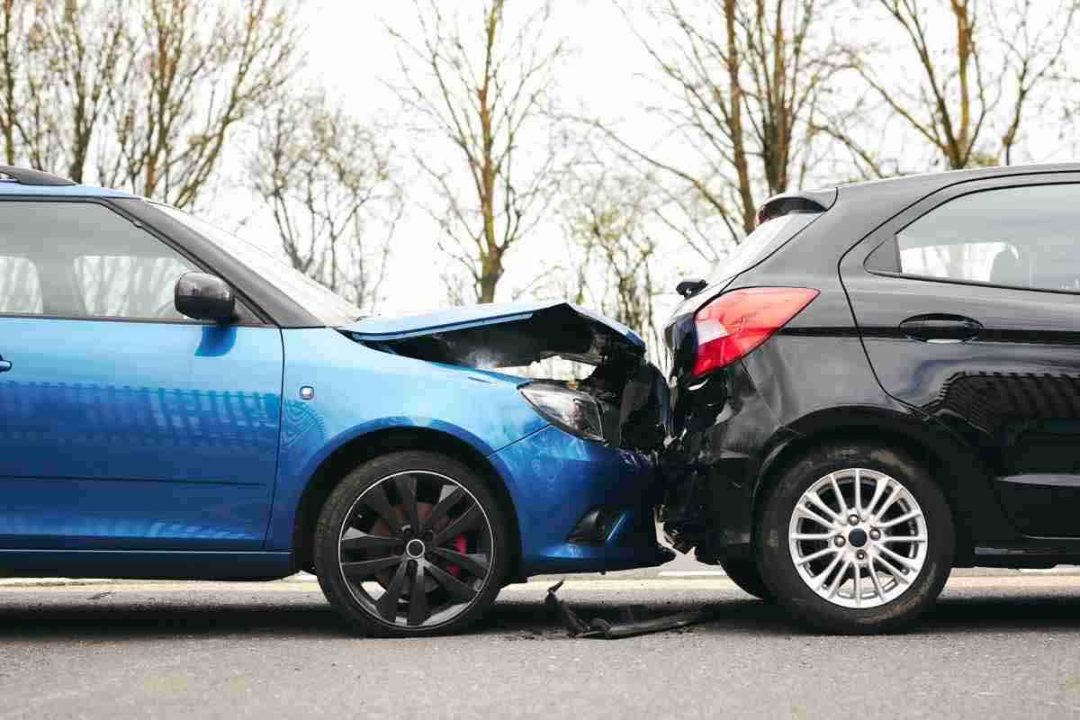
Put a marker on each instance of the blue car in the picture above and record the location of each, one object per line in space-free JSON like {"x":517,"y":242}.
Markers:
{"x":174,"y":403}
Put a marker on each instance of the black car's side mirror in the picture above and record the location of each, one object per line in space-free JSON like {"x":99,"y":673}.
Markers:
{"x":201,"y":296}
{"x":689,"y":288}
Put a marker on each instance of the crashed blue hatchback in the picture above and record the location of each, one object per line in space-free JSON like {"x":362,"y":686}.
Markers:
{"x":177,"y":404}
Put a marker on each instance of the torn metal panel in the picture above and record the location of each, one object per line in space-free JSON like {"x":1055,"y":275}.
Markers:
{"x":631,"y":393}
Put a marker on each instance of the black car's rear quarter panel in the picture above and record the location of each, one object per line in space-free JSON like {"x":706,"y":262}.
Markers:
{"x":741,"y":419}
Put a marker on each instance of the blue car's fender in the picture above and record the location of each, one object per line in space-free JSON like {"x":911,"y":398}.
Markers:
{"x":357,"y":391}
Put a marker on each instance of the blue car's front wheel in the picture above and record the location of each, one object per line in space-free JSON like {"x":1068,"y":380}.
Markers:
{"x":411,"y":543}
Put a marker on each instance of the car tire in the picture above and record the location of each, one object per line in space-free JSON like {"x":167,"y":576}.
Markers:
{"x":411,"y":543}
{"x":746,"y":575}
{"x":855,"y":566}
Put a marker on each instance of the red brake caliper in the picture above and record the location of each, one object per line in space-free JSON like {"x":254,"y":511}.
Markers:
{"x":459,"y":546}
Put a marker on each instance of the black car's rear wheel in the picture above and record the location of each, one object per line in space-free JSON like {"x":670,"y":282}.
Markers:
{"x":412,"y":543}
{"x":746,"y":575}
{"x":855,"y":539}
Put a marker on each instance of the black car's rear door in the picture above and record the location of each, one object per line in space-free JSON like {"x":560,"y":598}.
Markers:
{"x":968,"y":303}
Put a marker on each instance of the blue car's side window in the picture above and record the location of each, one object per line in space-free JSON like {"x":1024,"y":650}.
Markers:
{"x":20,"y":289}
{"x":82,"y":260}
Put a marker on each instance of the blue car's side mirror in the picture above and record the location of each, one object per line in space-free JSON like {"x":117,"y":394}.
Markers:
{"x":201,"y":296}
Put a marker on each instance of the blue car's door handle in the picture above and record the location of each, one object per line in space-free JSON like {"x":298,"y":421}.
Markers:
{"x":5,"y":365}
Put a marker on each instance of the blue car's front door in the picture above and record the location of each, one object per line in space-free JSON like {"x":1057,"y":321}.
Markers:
{"x":122,"y":424}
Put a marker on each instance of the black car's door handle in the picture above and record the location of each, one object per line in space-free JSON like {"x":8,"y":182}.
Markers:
{"x":941,"y":328}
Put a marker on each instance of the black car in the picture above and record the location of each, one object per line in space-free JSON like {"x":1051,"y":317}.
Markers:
{"x":882,"y":384}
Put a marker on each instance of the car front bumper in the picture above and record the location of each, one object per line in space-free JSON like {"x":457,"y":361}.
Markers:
{"x":555,"y":480}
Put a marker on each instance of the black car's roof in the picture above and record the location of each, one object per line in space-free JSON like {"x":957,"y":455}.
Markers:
{"x":877,"y":199}
{"x":857,"y":210}
{"x":931,"y":181}
{"x":949,"y":177}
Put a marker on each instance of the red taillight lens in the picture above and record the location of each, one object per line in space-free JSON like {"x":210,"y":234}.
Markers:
{"x":734,"y":324}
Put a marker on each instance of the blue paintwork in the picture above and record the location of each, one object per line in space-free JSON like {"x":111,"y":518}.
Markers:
{"x":137,"y":435}
{"x":152,"y":437}
{"x":359,"y":391}
{"x":553,"y":478}
{"x":179,"y":449}
{"x":463,"y":317}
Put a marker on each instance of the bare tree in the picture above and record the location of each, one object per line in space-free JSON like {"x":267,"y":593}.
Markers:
{"x":83,"y":44}
{"x":326,"y":180}
{"x":743,"y":79}
{"x":605,"y":215}
{"x":141,"y":94}
{"x":201,"y":68}
{"x":482,"y":84}
{"x":14,"y":46}
{"x":1035,"y":55}
{"x":971,"y":87}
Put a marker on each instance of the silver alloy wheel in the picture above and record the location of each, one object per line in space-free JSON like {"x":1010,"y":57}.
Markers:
{"x":416,"y":549}
{"x":858,"y":538}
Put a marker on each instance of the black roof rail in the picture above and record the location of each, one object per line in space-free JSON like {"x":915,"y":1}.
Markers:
{"x":26,"y":176}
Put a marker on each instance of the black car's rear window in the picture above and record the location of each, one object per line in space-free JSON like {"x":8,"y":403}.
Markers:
{"x":767,"y":238}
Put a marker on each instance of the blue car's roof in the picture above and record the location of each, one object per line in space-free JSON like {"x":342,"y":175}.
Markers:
{"x":10,"y":187}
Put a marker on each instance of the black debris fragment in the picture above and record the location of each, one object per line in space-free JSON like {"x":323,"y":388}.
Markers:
{"x":630,"y":626}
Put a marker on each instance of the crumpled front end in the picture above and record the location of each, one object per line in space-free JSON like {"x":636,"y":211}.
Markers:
{"x":584,"y":487}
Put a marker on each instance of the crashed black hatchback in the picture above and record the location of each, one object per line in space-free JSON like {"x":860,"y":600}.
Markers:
{"x":882,"y":384}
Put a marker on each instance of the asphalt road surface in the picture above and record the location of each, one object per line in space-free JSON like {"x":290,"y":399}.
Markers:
{"x":1005,"y":645}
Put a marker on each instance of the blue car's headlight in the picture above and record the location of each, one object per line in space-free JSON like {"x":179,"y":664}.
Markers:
{"x":576,"y":412}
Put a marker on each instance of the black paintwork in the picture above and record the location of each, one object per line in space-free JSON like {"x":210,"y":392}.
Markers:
{"x":993,"y":411}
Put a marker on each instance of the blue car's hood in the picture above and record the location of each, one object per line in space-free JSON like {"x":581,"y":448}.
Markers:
{"x":508,"y":334}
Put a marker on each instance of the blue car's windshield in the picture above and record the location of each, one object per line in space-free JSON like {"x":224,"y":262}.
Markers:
{"x":329,"y":307}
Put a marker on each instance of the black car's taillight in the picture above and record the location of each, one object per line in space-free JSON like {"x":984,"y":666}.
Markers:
{"x":735,"y":323}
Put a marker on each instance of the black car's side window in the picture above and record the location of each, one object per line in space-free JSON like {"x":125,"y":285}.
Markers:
{"x":1018,"y":237}
{"x":82,"y":260}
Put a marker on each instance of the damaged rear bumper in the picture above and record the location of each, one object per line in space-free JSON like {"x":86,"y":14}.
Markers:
{"x":557,"y":480}
{"x":713,"y":468}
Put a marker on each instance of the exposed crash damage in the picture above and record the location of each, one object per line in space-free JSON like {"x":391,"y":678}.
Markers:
{"x":589,"y":378}
{"x":629,"y":393}
{"x":620,"y":400}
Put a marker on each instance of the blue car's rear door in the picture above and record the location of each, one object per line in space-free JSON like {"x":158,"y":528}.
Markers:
{"x":122,"y":424}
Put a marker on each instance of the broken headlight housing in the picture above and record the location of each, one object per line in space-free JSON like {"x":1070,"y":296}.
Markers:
{"x":576,"y":412}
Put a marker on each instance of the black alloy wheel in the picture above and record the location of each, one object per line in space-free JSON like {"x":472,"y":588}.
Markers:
{"x":411,"y":543}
